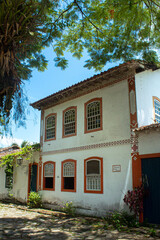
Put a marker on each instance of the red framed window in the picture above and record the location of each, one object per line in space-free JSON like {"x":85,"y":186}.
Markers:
{"x":68,"y":176}
{"x":50,"y":127}
{"x":93,"y":175}
{"x":49,"y":176}
{"x":93,"y":115}
{"x":69,"y":122}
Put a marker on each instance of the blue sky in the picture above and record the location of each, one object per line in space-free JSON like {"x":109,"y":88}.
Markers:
{"x":43,"y":84}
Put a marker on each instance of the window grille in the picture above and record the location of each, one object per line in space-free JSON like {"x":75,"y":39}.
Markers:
{"x":93,"y":115}
{"x":68,"y":169}
{"x":50,"y":127}
{"x":49,"y":170}
{"x":93,"y":183}
{"x":157,"y":110}
{"x":69,"y":122}
{"x":93,"y":176}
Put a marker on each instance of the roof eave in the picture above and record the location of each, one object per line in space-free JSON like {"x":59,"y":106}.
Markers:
{"x":136,"y":66}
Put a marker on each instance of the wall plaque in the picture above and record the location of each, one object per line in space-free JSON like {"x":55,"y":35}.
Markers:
{"x":116,"y":168}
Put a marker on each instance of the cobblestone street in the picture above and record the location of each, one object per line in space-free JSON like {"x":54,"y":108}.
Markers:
{"x":18,"y":222}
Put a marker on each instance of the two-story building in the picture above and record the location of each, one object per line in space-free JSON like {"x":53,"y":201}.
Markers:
{"x":99,"y":138}
{"x":89,"y":137}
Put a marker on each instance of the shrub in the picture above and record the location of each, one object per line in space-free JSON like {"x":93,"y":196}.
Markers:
{"x":34,"y":200}
{"x":69,"y":209}
{"x":134,"y":199}
{"x":121,"y":219}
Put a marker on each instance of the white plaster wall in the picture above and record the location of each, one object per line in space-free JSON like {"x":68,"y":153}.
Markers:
{"x":115,"y":184}
{"x":20,"y":182}
{"x":147,"y":86}
{"x":3,"y":190}
{"x":149,"y":142}
{"x":20,"y":178}
{"x":115,"y":105}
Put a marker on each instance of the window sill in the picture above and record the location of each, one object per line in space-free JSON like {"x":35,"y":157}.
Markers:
{"x":49,"y":189}
{"x":91,"y":191}
{"x":68,"y":190}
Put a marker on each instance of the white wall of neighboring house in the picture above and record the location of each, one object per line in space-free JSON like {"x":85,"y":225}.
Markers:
{"x":20,"y":178}
{"x":147,"y":86}
{"x":3,"y":189}
{"x":149,"y":142}
{"x":20,"y":182}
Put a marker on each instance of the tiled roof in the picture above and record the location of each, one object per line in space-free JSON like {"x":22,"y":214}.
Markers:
{"x":8,"y":150}
{"x":66,"y":93}
{"x":148,"y":127}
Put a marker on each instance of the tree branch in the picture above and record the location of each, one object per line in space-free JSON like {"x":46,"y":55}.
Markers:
{"x":83,"y":14}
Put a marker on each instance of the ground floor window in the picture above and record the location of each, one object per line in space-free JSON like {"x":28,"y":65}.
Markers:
{"x":49,"y":175}
{"x":93,"y":178}
{"x":69,"y":175}
{"x":9,"y":177}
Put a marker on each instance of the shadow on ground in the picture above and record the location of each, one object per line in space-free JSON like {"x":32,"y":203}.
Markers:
{"x":36,"y":228}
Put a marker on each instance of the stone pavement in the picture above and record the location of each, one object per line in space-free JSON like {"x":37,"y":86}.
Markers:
{"x":18,"y":222}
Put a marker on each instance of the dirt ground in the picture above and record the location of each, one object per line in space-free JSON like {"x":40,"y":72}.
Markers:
{"x":19,"y":222}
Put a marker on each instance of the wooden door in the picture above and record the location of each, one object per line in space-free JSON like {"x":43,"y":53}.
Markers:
{"x":151,"y":174}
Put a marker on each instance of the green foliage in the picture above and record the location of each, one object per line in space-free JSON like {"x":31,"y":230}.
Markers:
{"x":152,"y":232}
{"x":121,"y":219}
{"x":24,"y":144}
{"x":69,"y":209}
{"x":34,"y":200}
{"x":25,"y":31}
{"x":108,"y":30}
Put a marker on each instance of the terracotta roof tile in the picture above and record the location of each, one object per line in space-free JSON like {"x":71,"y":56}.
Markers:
{"x":133,"y":64}
{"x":8,"y":150}
{"x":147,"y":127}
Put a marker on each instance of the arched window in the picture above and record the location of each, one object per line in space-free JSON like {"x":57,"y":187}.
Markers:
{"x":50,"y":131}
{"x":49,"y":176}
{"x":69,"y":121}
{"x":93,"y":115}
{"x":93,"y":182}
{"x":156,"y":104}
{"x":69,"y":175}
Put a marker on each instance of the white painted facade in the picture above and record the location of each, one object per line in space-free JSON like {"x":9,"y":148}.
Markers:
{"x":3,"y":189}
{"x":116,"y":129}
{"x":147,"y":86}
{"x":114,"y":183}
{"x":115,"y":118}
{"x":116,"y":111}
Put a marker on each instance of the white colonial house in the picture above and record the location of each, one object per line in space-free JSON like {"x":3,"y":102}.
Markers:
{"x":99,"y":138}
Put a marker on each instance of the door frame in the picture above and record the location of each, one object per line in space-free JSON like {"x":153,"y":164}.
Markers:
{"x":29,"y":177}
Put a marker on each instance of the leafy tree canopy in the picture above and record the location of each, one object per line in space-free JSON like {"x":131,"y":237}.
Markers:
{"x":108,"y":30}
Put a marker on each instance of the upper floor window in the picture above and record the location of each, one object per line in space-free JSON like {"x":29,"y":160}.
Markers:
{"x":49,"y":176}
{"x":93,"y":115}
{"x":156,"y":103}
{"x":93,"y":168}
{"x":69,"y":176}
{"x":69,"y":121}
{"x":50,"y":131}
